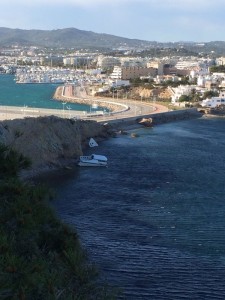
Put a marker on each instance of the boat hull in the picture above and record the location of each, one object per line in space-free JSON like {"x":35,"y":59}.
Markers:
{"x":93,"y":161}
{"x":89,"y":164}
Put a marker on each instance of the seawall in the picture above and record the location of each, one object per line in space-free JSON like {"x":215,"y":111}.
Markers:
{"x":52,"y":142}
{"x":113,"y":106}
{"x":158,"y":118}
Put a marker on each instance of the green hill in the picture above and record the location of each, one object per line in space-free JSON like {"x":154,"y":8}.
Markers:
{"x":68,"y":37}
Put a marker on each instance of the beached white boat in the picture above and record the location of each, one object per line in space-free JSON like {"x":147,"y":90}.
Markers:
{"x":92,"y":143}
{"x":93,"y":160}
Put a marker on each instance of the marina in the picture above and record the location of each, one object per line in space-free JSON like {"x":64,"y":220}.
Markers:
{"x":49,"y":75}
{"x":18,"y":101}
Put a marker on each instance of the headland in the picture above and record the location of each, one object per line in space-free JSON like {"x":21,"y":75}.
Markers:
{"x":53,"y":141}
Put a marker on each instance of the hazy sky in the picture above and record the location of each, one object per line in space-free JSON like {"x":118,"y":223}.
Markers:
{"x":158,"y":20}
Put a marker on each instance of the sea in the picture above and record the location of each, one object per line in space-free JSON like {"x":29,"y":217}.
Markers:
{"x":32,"y":95}
{"x":153,"y":221}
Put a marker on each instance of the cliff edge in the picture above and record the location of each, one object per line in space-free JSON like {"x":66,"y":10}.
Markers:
{"x":49,"y":142}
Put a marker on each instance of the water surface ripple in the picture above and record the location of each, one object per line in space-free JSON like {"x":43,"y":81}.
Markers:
{"x":153,"y":221}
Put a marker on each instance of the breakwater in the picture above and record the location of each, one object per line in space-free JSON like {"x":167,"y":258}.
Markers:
{"x":64,"y":93}
{"x":50,"y":142}
{"x":158,"y":118}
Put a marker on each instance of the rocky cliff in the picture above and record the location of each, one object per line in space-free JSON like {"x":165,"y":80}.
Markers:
{"x":49,"y":141}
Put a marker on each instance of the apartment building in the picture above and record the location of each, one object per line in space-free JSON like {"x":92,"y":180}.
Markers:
{"x":136,"y":72}
{"x":156,"y":65}
{"x":106,"y":62}
{"x":220,"y":61}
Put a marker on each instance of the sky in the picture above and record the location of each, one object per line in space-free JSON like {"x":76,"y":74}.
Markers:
{"x":151,"y":20}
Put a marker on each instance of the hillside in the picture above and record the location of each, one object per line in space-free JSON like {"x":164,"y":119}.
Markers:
{"x":49,"y":142}
{"x":68,"y":37}
{"x":80,"y":39}
{"x":41,"y":257}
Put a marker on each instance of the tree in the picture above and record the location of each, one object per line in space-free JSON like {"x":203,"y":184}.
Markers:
{"x":40,"y":257}
{"x":184,"y":98}
{"x":11,"y":162}
{"x":210,"y":94}
{"x":217,"y":69}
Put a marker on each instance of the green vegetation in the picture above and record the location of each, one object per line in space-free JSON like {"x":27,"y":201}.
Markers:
{"x":210,"y":94}
{"x":145,"y":83}
{"x":162,"y":50}
{"x":184,"y":98}
{"x":193,"y":97}
{"x":217,"y":69}
{"x":184,"y":81}
{"x":40,"y":258}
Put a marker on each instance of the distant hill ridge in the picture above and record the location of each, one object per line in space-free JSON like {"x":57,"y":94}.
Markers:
{"x":68,"y":37}
{"x":78,"y":39}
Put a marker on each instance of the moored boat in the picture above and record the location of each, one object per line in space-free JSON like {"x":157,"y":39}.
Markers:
{"x":93,"y":160}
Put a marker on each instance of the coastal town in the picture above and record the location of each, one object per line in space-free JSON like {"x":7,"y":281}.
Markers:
{"x":180,"y":81}
{"x":112,"y":133}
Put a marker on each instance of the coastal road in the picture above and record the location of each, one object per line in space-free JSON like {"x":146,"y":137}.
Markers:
{"x":135,"y":108}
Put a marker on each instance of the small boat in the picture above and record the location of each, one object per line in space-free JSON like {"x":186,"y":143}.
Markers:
{"x":93,"y":161}
{"x":92,"y":143}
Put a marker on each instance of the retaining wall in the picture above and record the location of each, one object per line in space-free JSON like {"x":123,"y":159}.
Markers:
{"x":159,"y":118}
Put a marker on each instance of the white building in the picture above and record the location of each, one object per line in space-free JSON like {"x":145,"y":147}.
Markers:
{"x":117,"y":73}
{"x":105,"y":62}
{"x":133,"y":62}
{"x":220,"y":61}
{"x":119,"y":83}
{"x":201,"y":72}
{"x":188,"y":64}
{"x":213,"y":102}
{"x":180,"y":91}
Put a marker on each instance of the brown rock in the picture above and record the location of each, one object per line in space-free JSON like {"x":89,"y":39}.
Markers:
{"x":47,"y":141}
{"x":147,"y":122}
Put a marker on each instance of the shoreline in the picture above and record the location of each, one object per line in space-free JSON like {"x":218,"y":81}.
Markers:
{"x":56,"y":155}
{"x":120,"y":108}
{"x":115,"y":128}
{"x":65,"y":93}
{"x":62,"y":159}
{"x":135,"y":108}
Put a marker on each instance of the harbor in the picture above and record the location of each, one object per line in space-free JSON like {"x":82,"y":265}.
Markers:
{"x":33,"y":100}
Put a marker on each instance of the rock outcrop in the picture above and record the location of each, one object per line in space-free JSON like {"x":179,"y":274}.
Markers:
{"x":219,"y":110}
{"x":50,"y":141}
{"x":147,"y":122}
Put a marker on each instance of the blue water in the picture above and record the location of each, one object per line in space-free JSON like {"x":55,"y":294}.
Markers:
{"x":154,"y":221}
{"x":31,"y":95}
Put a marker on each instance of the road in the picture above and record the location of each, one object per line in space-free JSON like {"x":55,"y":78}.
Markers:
{"x":136,"y":108}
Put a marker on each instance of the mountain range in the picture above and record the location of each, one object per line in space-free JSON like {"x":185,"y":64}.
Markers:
{"x":65,"y":38}
{"x":81,"y":39}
